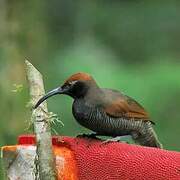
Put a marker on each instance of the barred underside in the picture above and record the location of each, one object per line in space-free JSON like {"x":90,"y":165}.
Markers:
{"x":98,"y":121}
{"x":148,"y":137}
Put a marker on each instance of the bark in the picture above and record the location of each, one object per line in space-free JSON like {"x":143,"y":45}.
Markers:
{"x":45,"y":168}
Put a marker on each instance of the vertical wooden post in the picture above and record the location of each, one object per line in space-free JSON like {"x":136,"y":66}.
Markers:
{"x":45,"y":166}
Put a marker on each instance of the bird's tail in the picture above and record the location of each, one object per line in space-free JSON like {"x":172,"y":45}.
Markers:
{"x":147,"y":137}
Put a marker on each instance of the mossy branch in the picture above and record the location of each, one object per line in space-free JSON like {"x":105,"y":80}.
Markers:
{"x":45,"y":162}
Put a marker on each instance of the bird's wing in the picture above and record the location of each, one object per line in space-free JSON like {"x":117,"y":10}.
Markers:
{"x":120,"y":105}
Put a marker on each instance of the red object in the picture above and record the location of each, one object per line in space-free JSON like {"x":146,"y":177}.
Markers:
{"x":117,"y":161}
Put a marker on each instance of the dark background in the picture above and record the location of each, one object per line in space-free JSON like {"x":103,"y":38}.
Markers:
{"x":133,"y":46}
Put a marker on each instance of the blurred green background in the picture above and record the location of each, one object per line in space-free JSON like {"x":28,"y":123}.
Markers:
{"x":133,"y":46}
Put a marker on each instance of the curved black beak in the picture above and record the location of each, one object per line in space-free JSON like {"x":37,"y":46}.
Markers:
{"x":58,"y":90}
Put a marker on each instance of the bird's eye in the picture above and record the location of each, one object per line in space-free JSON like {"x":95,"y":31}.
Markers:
{"x":72,"y":83}
{"x":69,"y":84}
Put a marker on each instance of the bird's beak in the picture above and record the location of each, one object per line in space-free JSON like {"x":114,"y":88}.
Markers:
{"x":58,"y":90}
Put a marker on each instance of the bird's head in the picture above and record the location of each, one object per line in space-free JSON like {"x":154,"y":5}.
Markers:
{"x":75,"y":86}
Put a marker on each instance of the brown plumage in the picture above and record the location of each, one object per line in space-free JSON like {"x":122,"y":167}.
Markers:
{"x":127,"y":107}
{"x":105,"y":111}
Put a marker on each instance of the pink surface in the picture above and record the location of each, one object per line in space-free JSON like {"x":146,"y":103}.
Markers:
{"x":119,"y":161}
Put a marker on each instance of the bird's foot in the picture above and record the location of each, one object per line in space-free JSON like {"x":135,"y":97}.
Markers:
{"x":115,"y":139}
{"x":92,"y":135}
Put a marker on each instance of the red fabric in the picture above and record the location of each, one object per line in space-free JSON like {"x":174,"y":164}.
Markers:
{"x":27,"y":139}
{"x":119,"y":161}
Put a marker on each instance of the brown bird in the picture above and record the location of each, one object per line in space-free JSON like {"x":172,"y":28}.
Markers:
{"x":107,"y":112}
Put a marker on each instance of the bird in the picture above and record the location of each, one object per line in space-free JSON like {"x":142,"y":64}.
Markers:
{"x":106,"y":112}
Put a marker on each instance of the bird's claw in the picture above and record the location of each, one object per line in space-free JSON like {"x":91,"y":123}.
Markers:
{"x":116,"y":139}
{"x":92,"y":135}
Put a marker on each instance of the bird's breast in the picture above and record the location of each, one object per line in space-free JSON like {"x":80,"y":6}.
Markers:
{"x":81,"y":110}
{"x":89,"y":116}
